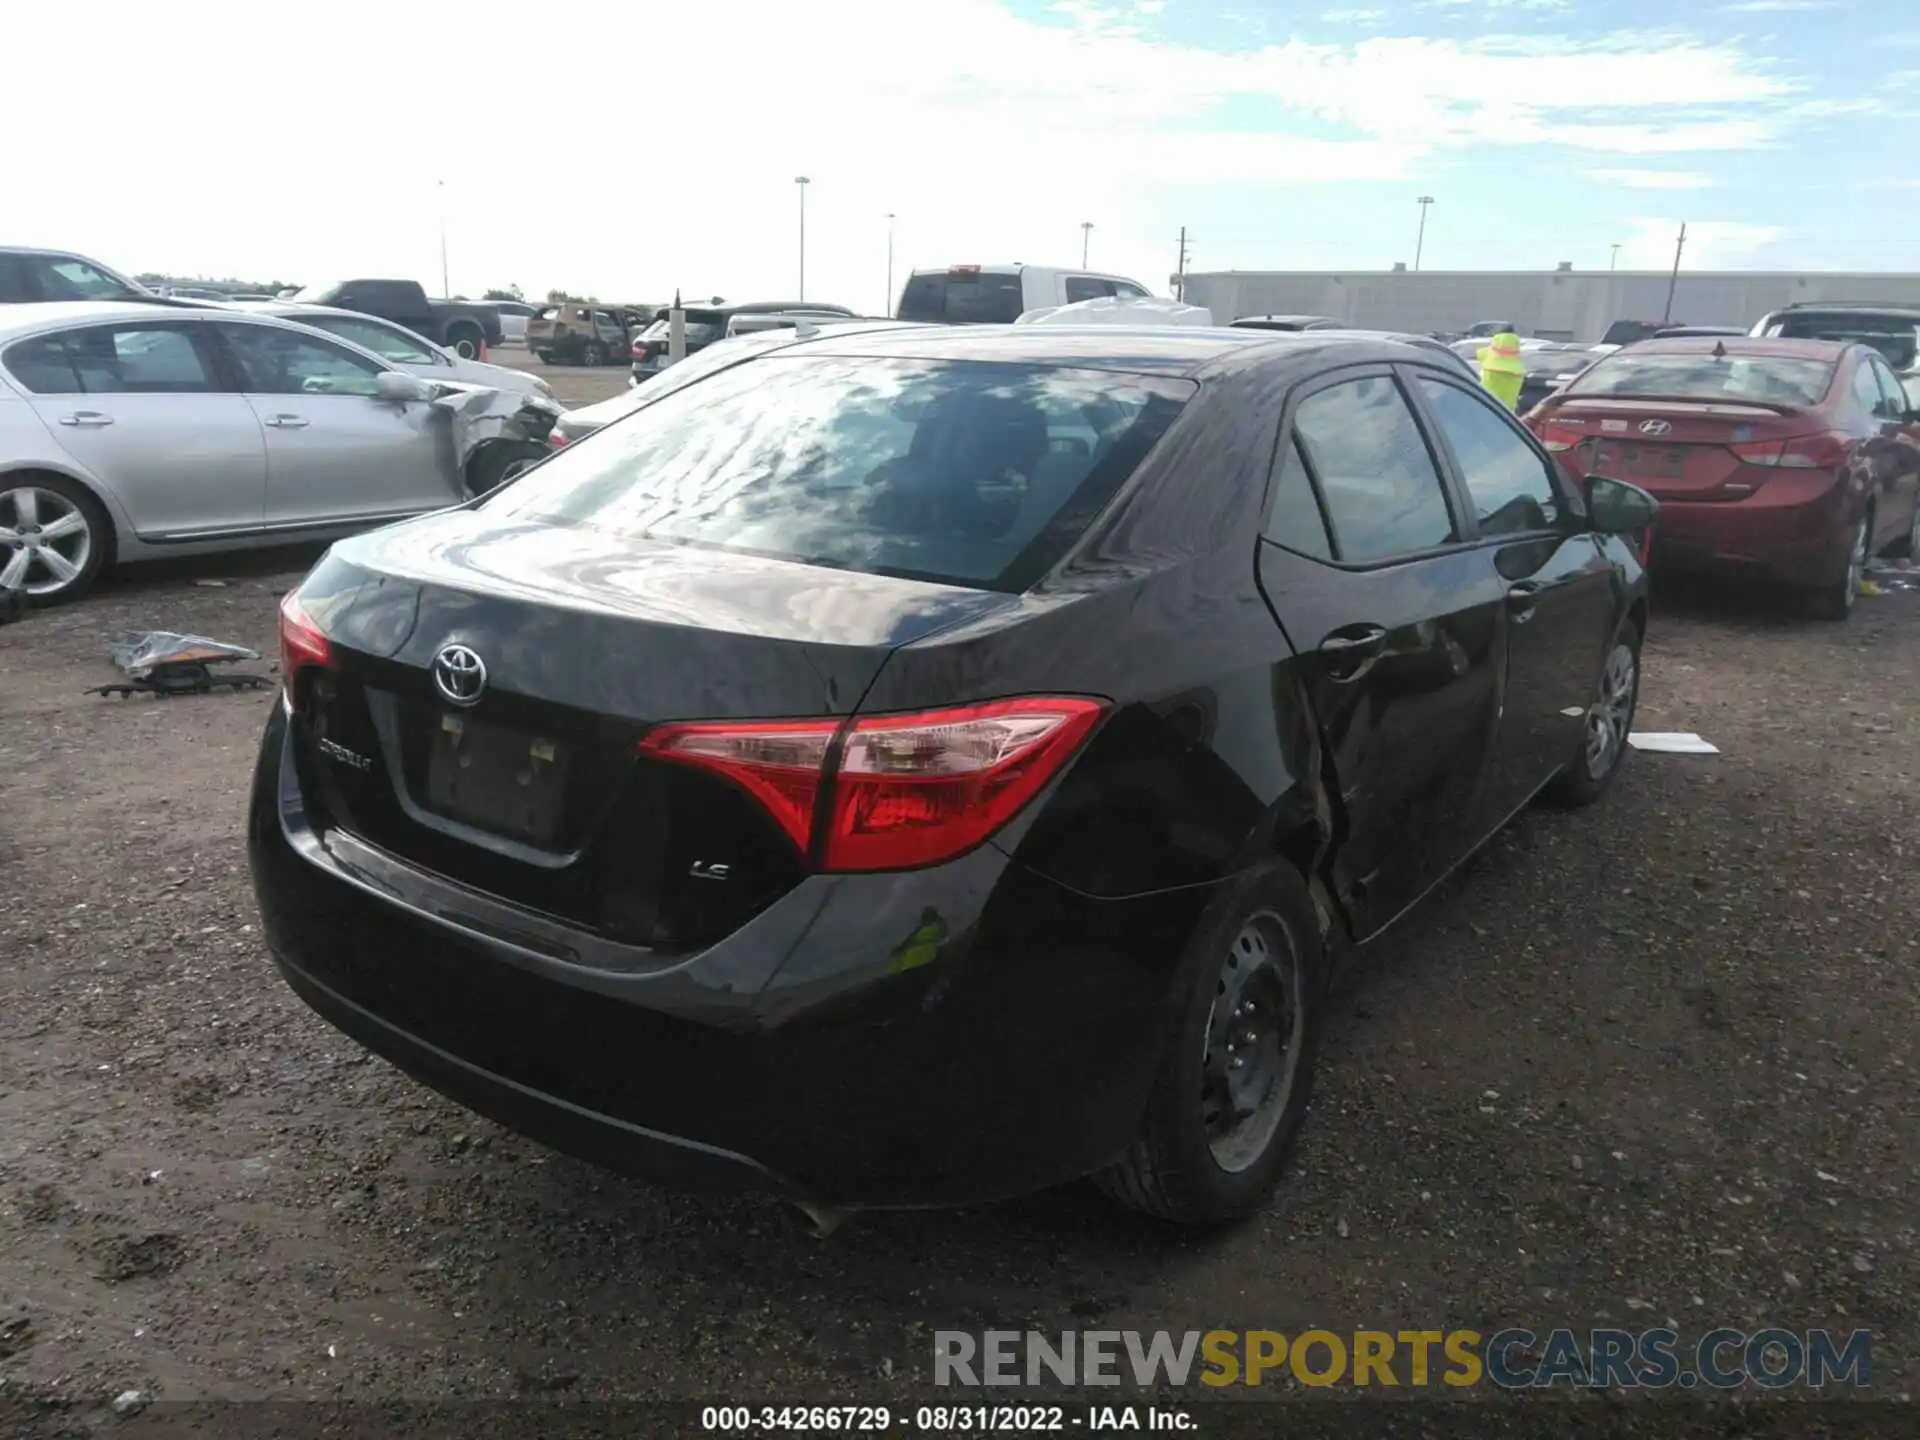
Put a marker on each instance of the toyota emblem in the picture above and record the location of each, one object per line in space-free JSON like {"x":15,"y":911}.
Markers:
{"x":459,"y":674}
{"x":1655,"y":427}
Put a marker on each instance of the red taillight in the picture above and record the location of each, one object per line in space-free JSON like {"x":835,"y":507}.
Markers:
{"x":1558,"y":437}
{"x":302,"y":642}
{"x":637,"y":350}
{"x":1808,"y":452}
{"x":903,"y":790}
{"x":556,"y":439}
{"x":780,"y":763}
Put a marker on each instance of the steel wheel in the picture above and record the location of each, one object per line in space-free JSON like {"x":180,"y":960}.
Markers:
{"x":1913,"y":532}
{"x":1612,"y":711}
{"x":1255,"y":1036}
{"x":46,"y":541}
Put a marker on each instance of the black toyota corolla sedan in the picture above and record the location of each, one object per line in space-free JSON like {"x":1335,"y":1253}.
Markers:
{"x":924,"y":766}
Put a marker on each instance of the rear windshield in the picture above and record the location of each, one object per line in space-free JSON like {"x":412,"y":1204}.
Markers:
{"x":962,"y":298}
{"x":966,"y":473}
{"x":1761,"y":379}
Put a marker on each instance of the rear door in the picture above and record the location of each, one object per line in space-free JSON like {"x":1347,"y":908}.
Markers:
{"x":143,"y":406}
{"x":337,"y":454}
{"x":1900,"y":494}
{"x":1397,"y":618}
{"x":1558,"y":585}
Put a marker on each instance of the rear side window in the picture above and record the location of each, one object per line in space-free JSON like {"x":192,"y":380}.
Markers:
{"x":1866,"y":392}
{"x":966,"y":473}
{"x":963,"y":298}
{"x":1506,"y":480}
{"x":64,"y":277}
{"x":1375,"y":474}
{"x":42,"y":366}
{"x":1759,"y":379}
{"x":1294,"y":519}
{"x":1085,"y":287}
{"x":128,"y":360}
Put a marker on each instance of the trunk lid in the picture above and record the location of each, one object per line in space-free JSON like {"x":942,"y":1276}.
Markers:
{"x":1674,"y":449}
{"x":534,"y":790}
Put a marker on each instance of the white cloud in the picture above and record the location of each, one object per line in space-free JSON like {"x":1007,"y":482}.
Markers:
{"x":1654,"y":179}
{"x":991,"y":137}
{"x":1775,"y":7}
{"x":1711,"y":244}
{"x":1366,"y":18}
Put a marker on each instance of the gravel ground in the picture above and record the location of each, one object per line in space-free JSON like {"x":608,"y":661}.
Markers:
{"x":1647,"y":1063}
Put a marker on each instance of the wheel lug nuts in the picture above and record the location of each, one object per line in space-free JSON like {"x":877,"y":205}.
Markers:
{"x":1248,"y":1037}
{"x":1236,"y":1063}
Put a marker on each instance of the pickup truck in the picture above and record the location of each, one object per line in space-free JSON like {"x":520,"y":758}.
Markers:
{"x":464,"y":328}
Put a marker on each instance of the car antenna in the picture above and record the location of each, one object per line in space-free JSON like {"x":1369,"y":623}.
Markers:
{"x":1719,"y":349}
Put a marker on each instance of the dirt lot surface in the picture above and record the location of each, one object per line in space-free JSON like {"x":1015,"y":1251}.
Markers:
{"x":1653,"y":1062}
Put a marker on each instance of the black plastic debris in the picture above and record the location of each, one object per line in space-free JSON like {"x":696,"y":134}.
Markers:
{"x":13,"y":604}
{"x":160,"y":662}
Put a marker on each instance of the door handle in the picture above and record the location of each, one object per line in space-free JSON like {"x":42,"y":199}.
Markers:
{"x":285,"y":422}
{"x":91,"y":418}
{"x":1347,"y":655}
{"x":1520,"y":599}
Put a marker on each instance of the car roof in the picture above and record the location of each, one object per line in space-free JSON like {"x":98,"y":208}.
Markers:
{"x":1144,"y":350}
{"x":1846,"y":307}
{"x":1284,"y":318}
{"x":1739,"y":345}
{"x":55,"y":314}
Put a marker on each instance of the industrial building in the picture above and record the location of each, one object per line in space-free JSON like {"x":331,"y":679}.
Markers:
{"x":1563,"y":304}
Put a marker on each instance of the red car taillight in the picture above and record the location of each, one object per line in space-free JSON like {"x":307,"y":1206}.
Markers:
{"x":556,"y":439}
{"x":900,"y":791}
{"x":1808,"y":452}
{"x":1556,"y":437}
{"x":302,"y":642}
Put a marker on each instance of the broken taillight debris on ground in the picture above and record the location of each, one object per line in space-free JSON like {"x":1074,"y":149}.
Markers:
{"x":161,"y":662}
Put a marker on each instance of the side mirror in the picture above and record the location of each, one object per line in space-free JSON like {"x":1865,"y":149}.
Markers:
{"x":1616,"y":508}
{"x":397,"y":387}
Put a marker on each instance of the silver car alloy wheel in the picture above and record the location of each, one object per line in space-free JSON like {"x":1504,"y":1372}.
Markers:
{"x":1612,"y":710}
{"x":46,"y":540}
{"x":1256,"y":1032}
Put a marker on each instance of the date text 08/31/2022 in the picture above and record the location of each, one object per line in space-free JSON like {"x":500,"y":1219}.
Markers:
{"x":941,"y":1419}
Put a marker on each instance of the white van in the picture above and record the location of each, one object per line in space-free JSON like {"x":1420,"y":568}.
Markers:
{"x":1001,"y":294}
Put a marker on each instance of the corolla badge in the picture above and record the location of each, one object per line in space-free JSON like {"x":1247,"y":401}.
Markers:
{"x":1655,"y":427}
{"x":459,"y":674}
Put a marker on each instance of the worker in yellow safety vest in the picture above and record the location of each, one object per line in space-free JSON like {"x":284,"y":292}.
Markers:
{"x":1500,"y":368}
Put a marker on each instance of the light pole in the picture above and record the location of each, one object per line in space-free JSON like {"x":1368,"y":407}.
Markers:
{"x":1420,"y":240}
{"x":801,"y":181}
{"x":1086,"y":234}
{"x":1613,"y":263}
{"x":890,"y":264}
{"x":446,"y":289}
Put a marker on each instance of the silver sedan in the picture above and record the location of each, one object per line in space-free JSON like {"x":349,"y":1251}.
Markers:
{"x":399,"y":346}
{"x":135,"y":430}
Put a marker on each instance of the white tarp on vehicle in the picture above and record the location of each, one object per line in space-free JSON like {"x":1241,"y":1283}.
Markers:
{"x":1112,"y":310}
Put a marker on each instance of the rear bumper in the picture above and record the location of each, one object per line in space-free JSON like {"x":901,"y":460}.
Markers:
{"x":806,"y":1054}
{"x":1799,"y":538}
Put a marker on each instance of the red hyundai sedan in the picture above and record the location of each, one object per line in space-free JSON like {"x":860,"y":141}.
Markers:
{"x":1800,"y":457}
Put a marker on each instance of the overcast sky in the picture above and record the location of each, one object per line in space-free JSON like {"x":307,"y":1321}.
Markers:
{"x":627,"y":149}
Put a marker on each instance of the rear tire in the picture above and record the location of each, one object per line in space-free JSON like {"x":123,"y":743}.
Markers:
{"x":500,"y":462}
{"x":1835,"y":599}
{"x":1237,"y":1066}
{"x":64,"y":538}
{"x":594,"y":355}
{"x":545,"y":357}
{"x":1603,"y":733}
{"x":466,"y":341}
